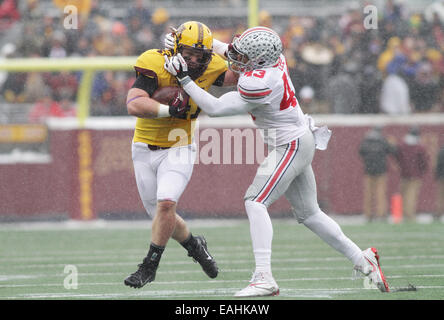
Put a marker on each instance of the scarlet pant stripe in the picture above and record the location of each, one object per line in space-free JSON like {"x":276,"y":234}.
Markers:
{"x":275,"y":177}
{"x":266,"y":183}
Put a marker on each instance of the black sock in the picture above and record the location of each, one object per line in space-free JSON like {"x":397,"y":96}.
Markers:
{"x":155,"y":253}
{"x":190,"y":243}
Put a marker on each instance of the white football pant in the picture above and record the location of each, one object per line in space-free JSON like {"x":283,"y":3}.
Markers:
{"x":293,"y":177}
{"x":162,"y":174}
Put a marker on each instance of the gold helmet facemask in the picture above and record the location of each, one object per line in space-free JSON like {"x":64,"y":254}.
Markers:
{"x":194,"y":39}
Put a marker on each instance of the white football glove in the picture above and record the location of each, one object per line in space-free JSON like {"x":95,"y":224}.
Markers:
{"x":177,"y":66}
{"x":169,"y":41}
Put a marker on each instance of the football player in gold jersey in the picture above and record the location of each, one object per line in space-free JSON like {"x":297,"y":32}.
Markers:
{"x":163,"y":132}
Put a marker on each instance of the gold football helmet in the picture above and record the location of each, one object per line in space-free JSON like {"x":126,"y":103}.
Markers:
{"x":194,"y":41}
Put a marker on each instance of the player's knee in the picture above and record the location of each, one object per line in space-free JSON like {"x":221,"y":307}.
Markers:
{"x":251,"y":194}
{"x":248,"y":198}
{"x":166,"y":206}
{"x":250,"y":203}
{"x":302,"y":213}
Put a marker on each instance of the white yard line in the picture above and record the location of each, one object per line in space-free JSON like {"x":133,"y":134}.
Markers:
{"x":14,"y":277}
{"x":111,"y":224}
{"x":146,"y":224}
{"x":203,"y":293}
{"x":322,"y":293}
{"x":227,"y":262}
{"x":192,"y":282}
{"x":217,"y":250}
{"x":233,"y":260}
{"x":121,"y":275}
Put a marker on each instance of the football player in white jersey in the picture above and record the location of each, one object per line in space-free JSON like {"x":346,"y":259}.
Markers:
{"x":266,"y":92}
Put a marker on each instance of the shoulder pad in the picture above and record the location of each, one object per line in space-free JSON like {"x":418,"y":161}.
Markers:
{"x":150,"y":63}
{"x":253,"y":90}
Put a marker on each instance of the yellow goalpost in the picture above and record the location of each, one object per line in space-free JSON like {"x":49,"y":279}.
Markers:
{"x":87,"y":65}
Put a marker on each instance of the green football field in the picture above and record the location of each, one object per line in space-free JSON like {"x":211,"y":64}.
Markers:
{"x":89,"y":261}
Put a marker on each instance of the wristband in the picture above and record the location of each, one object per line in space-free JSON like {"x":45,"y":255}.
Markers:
{"x":163,"y":111}
{"x":185,"y":80}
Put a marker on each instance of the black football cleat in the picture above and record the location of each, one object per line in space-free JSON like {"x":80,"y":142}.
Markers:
{"x":200,"y":254}
{"x":146,"y":273}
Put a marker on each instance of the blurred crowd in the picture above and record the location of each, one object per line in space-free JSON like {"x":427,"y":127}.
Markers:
{"x":54,"y":93}
{"x":337,"y":64}
{"x":397,"y":67}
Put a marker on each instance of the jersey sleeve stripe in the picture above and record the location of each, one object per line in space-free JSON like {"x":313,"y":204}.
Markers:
{"x":250,"y":98}
{"x":254,"y":93}
{"x":253,"y":90}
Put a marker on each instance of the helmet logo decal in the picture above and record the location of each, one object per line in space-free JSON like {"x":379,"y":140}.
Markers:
{"x":200,"y":35}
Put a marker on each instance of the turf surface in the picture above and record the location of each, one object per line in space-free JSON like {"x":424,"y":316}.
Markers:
{"x":37,"y":262}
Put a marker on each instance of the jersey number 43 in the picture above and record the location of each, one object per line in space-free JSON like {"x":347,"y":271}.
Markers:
{"x":289,"y":99}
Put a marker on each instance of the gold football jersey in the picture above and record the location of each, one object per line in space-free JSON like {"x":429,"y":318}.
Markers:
{"x":169,"y":131}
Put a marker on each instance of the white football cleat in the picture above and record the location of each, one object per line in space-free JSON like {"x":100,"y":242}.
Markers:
{"x":372,"y":269}
{"x":261,"y":284}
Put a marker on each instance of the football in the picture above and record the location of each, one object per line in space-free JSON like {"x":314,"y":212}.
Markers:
{"x":166,"y":94}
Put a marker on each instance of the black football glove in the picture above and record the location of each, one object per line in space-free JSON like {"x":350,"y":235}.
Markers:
{"x":179,"y":106}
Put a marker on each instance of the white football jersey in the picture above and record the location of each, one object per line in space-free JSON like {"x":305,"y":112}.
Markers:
{"x":280,"y":117}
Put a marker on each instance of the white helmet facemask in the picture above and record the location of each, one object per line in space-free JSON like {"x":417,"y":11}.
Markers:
{"x":256,"y":48}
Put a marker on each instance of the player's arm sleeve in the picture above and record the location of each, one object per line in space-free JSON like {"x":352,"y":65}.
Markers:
{"x":149,"y":85}
{"x":226,"y":105}
{"x":220,"y":48}
{"x":146,"y":79}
